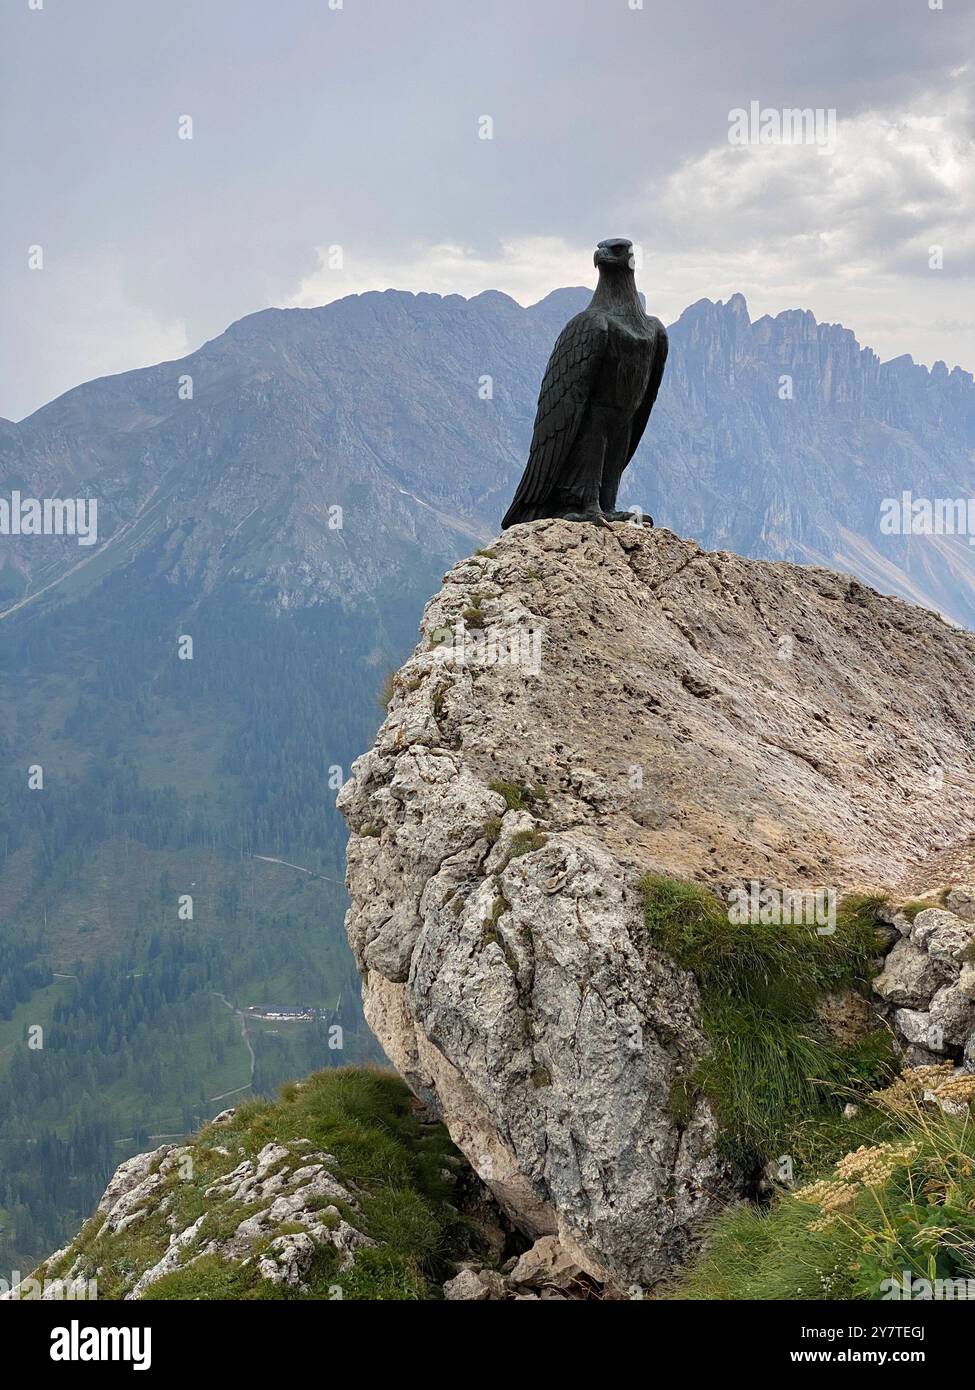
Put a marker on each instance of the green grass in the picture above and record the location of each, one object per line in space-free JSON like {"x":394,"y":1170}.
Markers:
{"x":907,"y":1206}
{"x":211,"y":1278}
{"x":523,"y":842}
{"x":777,"y":1079}
{"x":751,"y":1255}
{"x":474,"y":616}
{"x":518,"y":797}
{"x":911,"y":909}
{"x":400,"y":1166}
{"x":899,"y":1186}
{"x":366,"y":1117}
{"x":491,"y":829}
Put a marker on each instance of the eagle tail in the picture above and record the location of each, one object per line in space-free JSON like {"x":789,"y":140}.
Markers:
{"x":519,"y":512}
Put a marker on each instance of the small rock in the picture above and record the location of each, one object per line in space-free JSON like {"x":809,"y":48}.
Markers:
{"x":952,"y":1015}
{"x":287,"y":1259}
{"x":129,"y":1175}
{"x":546,"y":1263}
{"x":910,"y":977}
{"x":942,"y":934}
{"x":916,"y":1027}
{"x":269,"y":1156}
{"x":961,"y":901}
{"x":466,"y":1287}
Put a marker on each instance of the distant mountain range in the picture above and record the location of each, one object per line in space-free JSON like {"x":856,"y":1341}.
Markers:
{"x":288,"y":497}
{"x":412,"y":413}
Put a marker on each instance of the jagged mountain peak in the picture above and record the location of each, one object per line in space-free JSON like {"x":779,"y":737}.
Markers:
{"x":413,"y":413}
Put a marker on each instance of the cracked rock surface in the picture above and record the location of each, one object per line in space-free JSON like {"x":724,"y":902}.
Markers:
{"x":284,"y":1185}
{"x":928,"y":982}
{"x":586,"y":705}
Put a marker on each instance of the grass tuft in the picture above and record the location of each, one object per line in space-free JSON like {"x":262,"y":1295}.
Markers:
{"x":902,"y":1203}
{"x":518,"y":797}
{"x":776,"y":1077}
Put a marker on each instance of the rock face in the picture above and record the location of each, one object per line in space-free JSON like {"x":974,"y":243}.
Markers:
{"x":928,"y":980}
{"x":586,"y":705}
{"x":281,"y":1186}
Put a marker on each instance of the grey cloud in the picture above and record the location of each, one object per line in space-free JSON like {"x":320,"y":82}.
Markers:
{"x":315,"y":126}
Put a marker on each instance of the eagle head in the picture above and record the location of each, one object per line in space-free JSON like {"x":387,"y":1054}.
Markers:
{"x":617,"y":252}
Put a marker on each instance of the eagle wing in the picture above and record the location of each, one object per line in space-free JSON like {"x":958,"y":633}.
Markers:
{"x":562,"y":402}
{"x":642,"y":413}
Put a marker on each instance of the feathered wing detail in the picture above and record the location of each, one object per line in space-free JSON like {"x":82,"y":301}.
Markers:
{"x":562,"y":403}
{"x":640,"y":418}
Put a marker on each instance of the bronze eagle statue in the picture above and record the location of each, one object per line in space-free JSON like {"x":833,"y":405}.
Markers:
{"x":595,"y":400}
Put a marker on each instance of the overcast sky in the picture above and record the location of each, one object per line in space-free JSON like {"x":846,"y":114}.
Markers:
{"x":359,"y":127}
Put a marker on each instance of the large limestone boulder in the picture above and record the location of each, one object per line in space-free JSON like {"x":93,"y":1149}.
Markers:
{"x":584,"y":705}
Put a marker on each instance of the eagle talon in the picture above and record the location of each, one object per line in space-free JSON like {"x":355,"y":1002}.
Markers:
{"x":596,"y":517}
{"x":637,"y":518}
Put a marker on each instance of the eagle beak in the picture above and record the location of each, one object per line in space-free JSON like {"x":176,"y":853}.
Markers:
{"x":621,"y":254}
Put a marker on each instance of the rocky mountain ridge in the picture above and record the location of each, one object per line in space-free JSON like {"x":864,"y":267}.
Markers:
{"x":692,"y":714}
{"x":310,"y":456}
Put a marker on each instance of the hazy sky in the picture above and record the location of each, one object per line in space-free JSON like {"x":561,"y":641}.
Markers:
{"x":358,"y":127}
